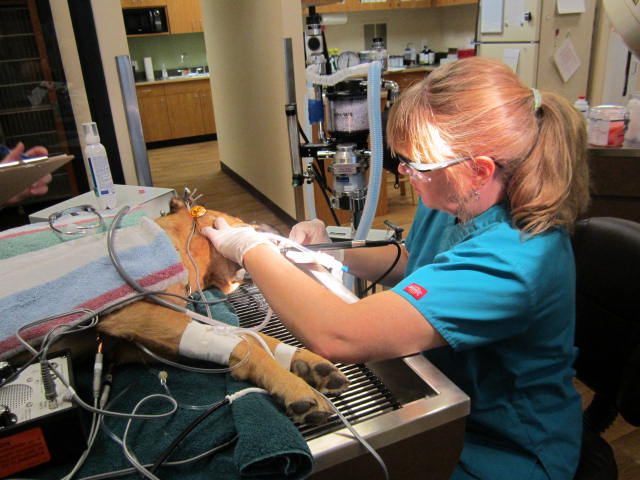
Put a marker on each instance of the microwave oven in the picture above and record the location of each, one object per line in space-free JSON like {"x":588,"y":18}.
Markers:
{"x":145,"y":20}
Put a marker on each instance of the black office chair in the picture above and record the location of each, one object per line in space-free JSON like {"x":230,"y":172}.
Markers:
{"x":607,"y":252}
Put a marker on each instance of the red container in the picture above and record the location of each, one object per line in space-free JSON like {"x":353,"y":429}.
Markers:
{"x":468,"y":52}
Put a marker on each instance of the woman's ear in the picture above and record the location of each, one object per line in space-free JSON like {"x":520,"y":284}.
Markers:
{"x":485,"y":169}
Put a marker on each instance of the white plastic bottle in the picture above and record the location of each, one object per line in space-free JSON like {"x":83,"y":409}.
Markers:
{"x":582,"y":106}
{"x":96,"y":156}
{"x":632,"y":135}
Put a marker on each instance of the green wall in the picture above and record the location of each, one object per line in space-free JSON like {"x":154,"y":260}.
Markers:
{"x":167,"y":49}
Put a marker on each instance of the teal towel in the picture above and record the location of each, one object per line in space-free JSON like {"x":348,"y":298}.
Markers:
{"x":269,"y":446}
{"x":265,"y":448}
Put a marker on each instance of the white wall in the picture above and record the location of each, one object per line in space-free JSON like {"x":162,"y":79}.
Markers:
{"x":244,"y":48}
{"x":112,"y":42}
{"x":442,"y":27}
{"x":609,"y":57}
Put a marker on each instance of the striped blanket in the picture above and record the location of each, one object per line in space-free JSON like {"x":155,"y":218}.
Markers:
{"x":43,"y":273}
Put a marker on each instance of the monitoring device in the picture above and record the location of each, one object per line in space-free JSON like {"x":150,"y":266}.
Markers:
{"x":37,"y":427}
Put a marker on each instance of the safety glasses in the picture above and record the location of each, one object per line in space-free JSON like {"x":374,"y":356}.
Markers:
{"x":414,"y":169}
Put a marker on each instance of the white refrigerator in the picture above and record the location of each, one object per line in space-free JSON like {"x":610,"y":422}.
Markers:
{"x":546,"y":42}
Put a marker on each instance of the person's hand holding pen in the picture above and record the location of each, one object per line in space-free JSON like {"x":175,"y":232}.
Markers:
{"x":37,"y":188}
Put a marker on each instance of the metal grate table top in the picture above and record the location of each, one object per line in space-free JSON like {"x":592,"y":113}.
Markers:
{"x":367,"y":397}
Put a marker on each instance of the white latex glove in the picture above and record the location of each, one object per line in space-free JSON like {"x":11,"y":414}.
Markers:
{"x":309,"y":232}
{"x":234,"y":242}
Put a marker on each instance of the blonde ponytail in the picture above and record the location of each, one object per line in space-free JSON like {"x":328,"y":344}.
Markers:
{"x":550,"y":186}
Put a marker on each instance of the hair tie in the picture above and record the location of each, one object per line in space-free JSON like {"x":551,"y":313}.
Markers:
{"x":537,"y":99}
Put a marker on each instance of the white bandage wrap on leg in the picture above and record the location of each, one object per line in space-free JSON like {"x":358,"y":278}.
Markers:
{"x":284,"y":354}
{"x":205,"y":342}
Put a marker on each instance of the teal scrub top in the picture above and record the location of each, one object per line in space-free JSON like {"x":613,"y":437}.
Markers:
{"x":505,"y":303}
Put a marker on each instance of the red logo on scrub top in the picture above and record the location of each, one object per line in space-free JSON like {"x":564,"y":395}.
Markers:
{"x":415,"y":290}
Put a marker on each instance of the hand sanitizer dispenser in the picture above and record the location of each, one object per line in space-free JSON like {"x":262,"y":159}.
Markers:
{"x":96,"y":156}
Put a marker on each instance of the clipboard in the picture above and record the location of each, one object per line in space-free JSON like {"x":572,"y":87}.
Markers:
{"x":18,"y":175}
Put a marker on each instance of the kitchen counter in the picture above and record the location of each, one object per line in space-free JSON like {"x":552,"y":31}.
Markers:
{"x":418,"y":68}
{"x":175,"y":79}
{"x":405,"y":77}
{"x":408,"y":70}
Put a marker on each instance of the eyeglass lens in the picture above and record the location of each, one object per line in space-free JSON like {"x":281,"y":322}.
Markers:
{"x":406,"y":169}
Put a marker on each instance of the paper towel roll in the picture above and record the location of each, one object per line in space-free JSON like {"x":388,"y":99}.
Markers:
{"x":148,"y":69}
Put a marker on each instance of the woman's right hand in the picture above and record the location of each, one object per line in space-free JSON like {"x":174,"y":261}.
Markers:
{"x":309,"y":232}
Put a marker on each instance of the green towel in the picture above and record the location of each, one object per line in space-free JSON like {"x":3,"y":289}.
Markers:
{"x":269,"y":446}
{"x":37,"y":236}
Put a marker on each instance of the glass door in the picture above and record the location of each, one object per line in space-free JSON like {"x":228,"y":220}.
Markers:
{"x":34,"y":102}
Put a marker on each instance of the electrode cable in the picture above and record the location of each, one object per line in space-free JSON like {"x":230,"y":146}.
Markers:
{"x":322,"y":182}
{"x":123,"y":273}
{"x":390,"y":269}
{"x":228,"y":399}
{"x":127,"y":471}
{"x":195,"y":267}
{"x":357,"y":436}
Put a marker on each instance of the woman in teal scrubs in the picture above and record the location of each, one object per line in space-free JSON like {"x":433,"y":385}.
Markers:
{"x":485,"y":285}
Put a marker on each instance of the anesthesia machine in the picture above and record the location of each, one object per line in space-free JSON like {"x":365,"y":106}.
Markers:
{"x":344,"y":109}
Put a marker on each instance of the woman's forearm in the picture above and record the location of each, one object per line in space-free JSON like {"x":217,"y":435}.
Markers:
{"x":312,"y":313}
{"x":371,"y":263}
{"x":379,"y":326}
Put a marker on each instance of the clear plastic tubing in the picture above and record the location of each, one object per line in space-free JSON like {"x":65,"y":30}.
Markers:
{"x":329,"y":80}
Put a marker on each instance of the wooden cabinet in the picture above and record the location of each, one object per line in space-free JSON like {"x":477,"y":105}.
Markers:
{"x":153,"y":113}
{"x":404,"y":78}
{"x":413,"y":3}
{"x":184,"y":16}
{"x":206,"y":104}
{"x":614,"y":174}
{"x":366,"y":5}
{"x":142,"y":3}
{"x":446,"y":3}
{"x":343,"y":6}
{"x":372,"y":4}
{"x":176,"y":110}
{"x":185,"y":102}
